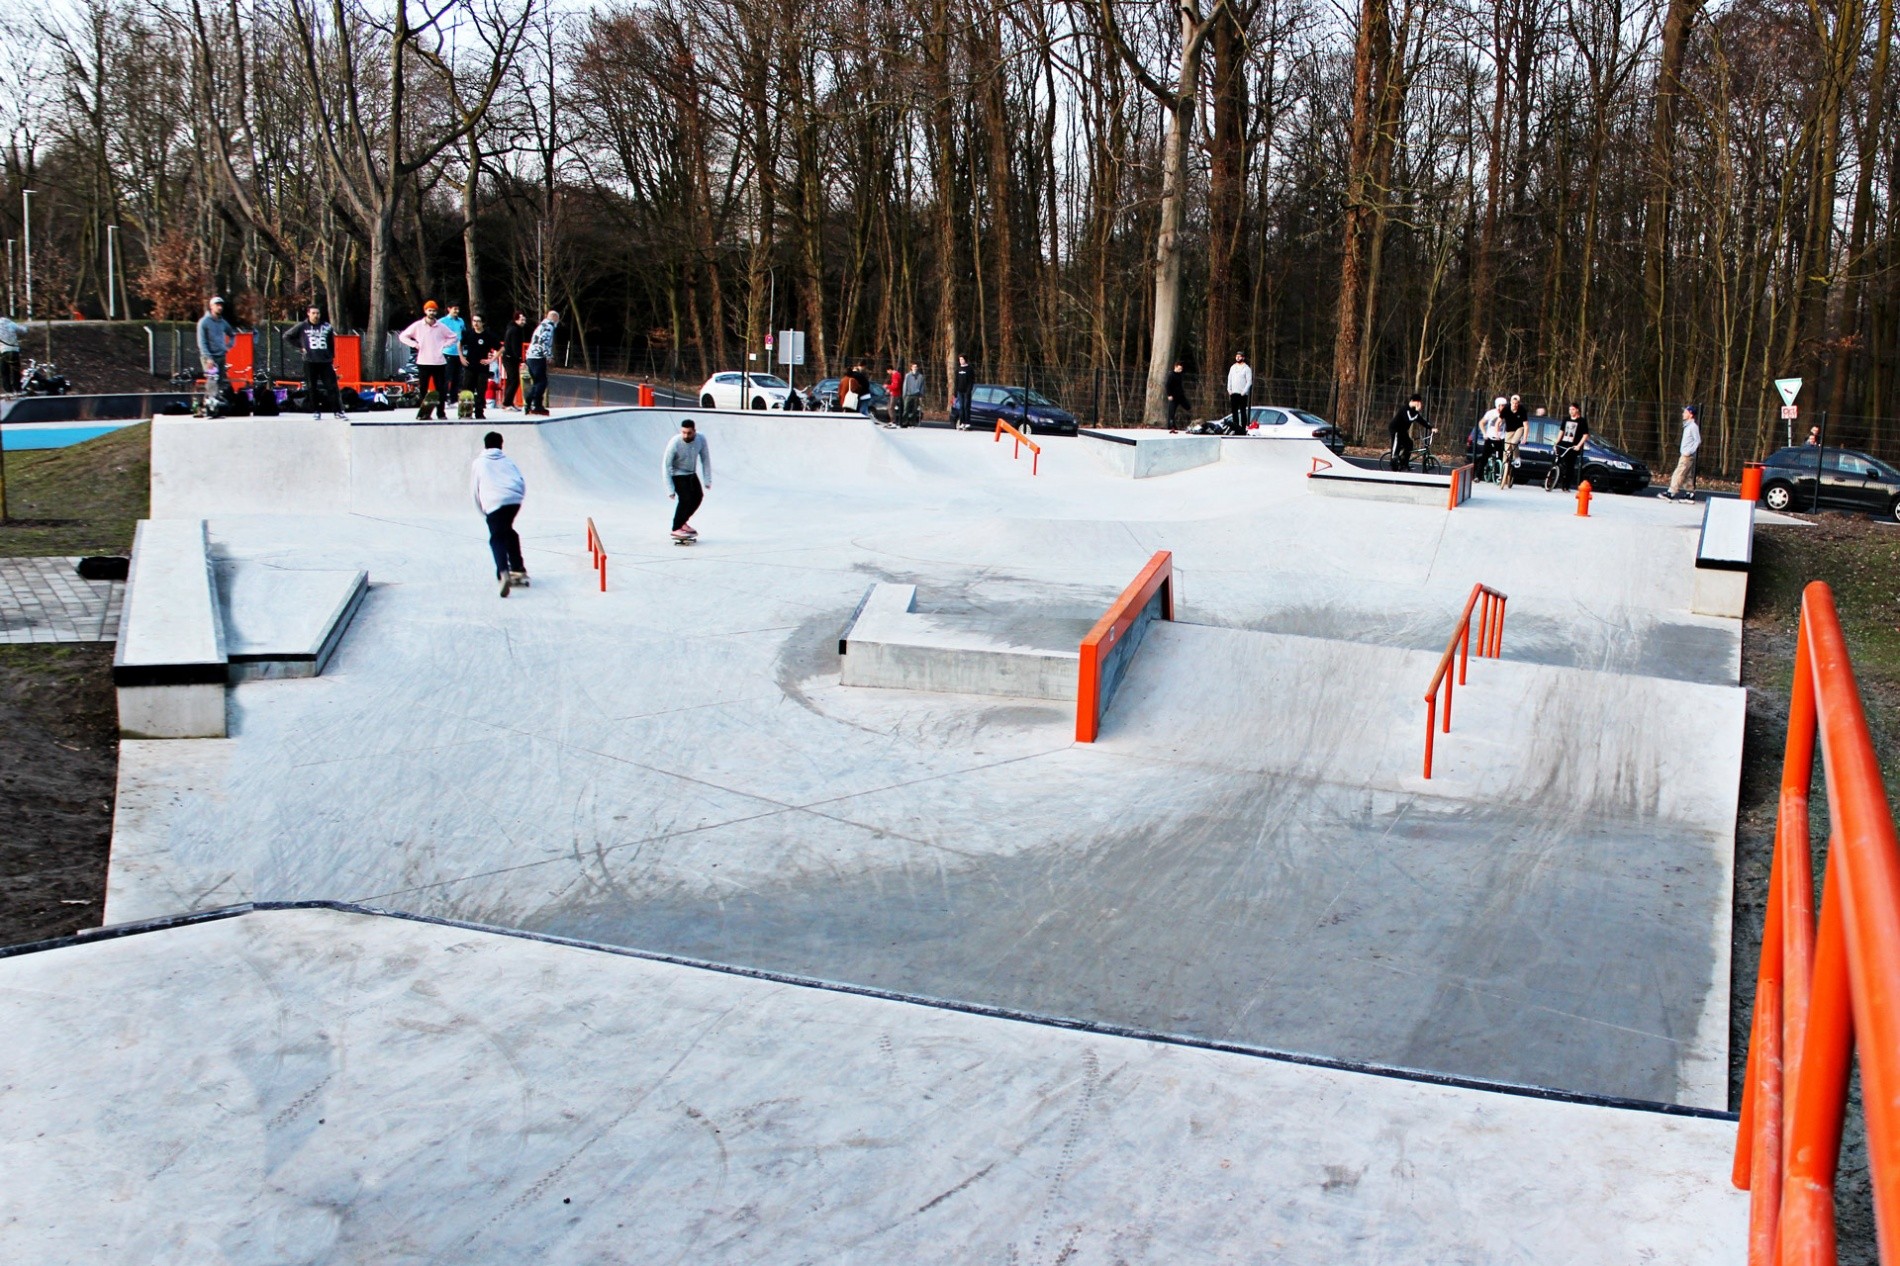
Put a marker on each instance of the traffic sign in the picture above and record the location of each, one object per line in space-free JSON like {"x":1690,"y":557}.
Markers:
{"x":1789,"y":389}
{"x":1789,"y":412}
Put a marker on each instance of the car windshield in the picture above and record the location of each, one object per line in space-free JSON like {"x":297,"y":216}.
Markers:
{"x":765,"y":380}
{"x":1885,"y":470}
{"x":1036,"y":397}
{"x":1311,"y":418}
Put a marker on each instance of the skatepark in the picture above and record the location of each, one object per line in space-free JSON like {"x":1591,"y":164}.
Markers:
{"x":618,"y":907}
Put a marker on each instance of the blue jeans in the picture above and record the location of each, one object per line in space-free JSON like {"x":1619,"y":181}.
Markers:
{"x":537,"y":382}
{"x":503,"y":541}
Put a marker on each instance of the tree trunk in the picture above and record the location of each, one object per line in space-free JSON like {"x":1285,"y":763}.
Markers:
{"x":1226,"y":189}
{"x":1662,"y":160}
{"x":1372,"y":51}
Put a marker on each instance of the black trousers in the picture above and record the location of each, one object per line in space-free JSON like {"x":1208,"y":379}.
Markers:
{"x":1567,"y":467}
{"x":690,"y":494}
{"x":319,"y":386}
{"x":510,"y":383}
{"x":432,"y":378}
{"x":963,"y":409}
{"x":503,"y":541}
{"x":452,"y":367}
{"x":9,"y":371}
{"x":537,"y":382}
{"x":1237,"y":412}
{"x":1402,"y":443}
{"x":1175,"y":408}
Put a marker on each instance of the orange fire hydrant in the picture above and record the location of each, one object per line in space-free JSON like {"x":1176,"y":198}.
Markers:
{"x":1583,"y":499}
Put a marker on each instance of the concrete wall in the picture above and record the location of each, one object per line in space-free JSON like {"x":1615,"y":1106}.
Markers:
{"x":1151,"y":455}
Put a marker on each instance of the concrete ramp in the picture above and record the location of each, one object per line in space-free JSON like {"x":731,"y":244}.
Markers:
{"x":280,"y":622}
{"x":891,"y":643}
{"x":313,"y":1085}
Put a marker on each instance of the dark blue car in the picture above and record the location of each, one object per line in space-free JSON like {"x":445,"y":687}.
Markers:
{"x":1026,"y":410}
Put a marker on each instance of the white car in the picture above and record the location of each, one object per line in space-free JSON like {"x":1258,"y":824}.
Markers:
{"x":1281,"y":422}
{"x":744,"y":391}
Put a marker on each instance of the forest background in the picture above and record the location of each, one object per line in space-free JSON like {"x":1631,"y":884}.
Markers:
{"x":1633,"y":203}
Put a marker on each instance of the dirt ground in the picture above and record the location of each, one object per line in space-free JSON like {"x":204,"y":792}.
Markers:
{"x":59,"y":741}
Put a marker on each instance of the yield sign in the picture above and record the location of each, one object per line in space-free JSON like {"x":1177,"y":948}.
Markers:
{"x":1789,"y":389}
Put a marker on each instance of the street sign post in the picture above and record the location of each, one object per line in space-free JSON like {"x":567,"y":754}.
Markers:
{"x":791,"y":347}
{"x":1789,"y":389}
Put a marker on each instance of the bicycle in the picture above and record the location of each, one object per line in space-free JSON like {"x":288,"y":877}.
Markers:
{"x":1427,"y":463}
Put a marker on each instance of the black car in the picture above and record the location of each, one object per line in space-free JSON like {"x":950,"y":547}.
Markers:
{"x":1848,"y":481}
{"x":1608,"y":469}
{"x":1028,"y":411}
{"x":824,"y":397}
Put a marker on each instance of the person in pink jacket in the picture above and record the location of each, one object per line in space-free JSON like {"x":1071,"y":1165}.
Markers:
{"x":429,"y":339}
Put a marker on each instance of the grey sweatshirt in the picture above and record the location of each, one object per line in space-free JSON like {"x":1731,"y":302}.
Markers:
{"x":215,"y":336}
{"x":681,"y":455}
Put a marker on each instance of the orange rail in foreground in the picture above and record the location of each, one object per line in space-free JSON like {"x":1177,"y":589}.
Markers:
{"x":597,"y":550}
{"x":1822,"y":992}
{"x":1022,"y":441}
{"x":1101,"y":641}
{"x":1489,"y":604}
{"x":1460,"y":492}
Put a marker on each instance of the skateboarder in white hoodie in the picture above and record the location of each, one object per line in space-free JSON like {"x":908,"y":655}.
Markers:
{"x":499,"y":489}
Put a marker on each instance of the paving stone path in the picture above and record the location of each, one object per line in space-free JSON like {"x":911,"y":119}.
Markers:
{"x":46,"y":600}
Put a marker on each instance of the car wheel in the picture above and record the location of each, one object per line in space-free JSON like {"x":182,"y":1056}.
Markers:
{"x":1025,"y":428}
{"x":706,"y":402}
{"x":1893,"y":509}
{"x":1777,"y":496}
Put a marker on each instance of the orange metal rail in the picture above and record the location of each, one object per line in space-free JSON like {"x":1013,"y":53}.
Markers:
{"x":1823,"y":991}
{"x":1022,"y":441}
{"x":597,"y":550}
{"x":1489,"y":604}
{"x":1156,"y":577}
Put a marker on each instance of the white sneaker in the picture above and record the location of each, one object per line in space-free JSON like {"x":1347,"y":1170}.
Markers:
{"x":520,"y":579}
{"x":507,"y":583}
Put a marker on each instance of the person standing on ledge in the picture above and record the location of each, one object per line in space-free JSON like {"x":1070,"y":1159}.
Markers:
{"x":315,"y":339}
{"x":499,"y":491}
{"x":12,"y":336}
{"x":215,"y":337}
{"x":514,"y":345}
{"x":686,"y":458}
{"x":1176,"y":394}
{"x":540,"y":352}
{"x":1239,"y":387}
{"x":1685,"y":464}
{"x":428,"y":339}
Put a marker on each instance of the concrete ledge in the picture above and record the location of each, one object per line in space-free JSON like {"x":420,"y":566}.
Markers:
{"x":1725,"y":550}
{"x":1723,"y":593}
{"x":279,"y":623}
{"x":893,"y":645}
{"x":1144,"y":456}
{"x":1365,"y":484}
{"x":170,"y":665}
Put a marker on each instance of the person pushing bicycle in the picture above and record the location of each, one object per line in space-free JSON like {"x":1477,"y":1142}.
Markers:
{"x":1412,"y":415}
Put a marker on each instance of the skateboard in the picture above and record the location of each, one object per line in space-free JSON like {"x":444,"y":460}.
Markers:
{"x":683,"y":540}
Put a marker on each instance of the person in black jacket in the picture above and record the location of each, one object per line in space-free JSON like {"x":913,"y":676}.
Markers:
{"x":1412,"y":415}
{"x":514,"y":345}
{"x":965,"y":385}
{"x":1177,"y":396}
{"x":479,"y":348}
{"x":315,"y":338}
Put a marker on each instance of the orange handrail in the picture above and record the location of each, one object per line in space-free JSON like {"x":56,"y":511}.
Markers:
{"x":1022,"y":441}
{"x":1490,"y":645}
{"x":1156,"y":577}
{"x":598,"y":550}
{"x":1823,"y":992}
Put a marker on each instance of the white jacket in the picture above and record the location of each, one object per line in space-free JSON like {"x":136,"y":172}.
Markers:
{"x":1240,"y":379}
{"x":1691,"y":437}
{"x":496,"y":481}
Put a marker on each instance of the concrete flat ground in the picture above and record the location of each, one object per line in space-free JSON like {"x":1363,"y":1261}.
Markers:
{"x":314,"y":1086}
{"x":1249,"y":855}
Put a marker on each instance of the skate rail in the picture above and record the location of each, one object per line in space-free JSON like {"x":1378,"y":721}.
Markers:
{"x":597,"y":551}
{"x":1022,"y":442}
{"x":1112,"y":643}
{"x":1824,"y":992}
{"x":1489,"y":604}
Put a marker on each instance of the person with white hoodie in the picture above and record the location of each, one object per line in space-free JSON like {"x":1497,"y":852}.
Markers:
{"x":499,"y":490}
{"x":1239,"y":387}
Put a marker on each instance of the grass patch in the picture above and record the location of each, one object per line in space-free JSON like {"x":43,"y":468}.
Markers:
{"x":83,"y":499}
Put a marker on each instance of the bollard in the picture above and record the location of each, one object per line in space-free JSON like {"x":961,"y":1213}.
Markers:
{"x":1583,"y":499}
{"x":646,"y":396}
{"x":1751,"y":481}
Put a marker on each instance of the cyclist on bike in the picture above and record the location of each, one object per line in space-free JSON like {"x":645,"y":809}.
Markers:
{"x":1572,"y":433}
{"x":1413,"y":414}
{"x":1516,"y":431}
{"x":1491,"y":432}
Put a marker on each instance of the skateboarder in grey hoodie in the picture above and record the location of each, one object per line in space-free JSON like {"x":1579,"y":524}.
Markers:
{"x":499,"y":490}
{"x":686,"y":455}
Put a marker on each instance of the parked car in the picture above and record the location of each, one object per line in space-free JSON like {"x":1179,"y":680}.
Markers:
{"x":1849,"y":480}
{"x":1283,"y":422}
{"x":1028,"y":411}
{"x":731,"y":391}
{"x":1608,"y":469}
{"x":825,"y":398}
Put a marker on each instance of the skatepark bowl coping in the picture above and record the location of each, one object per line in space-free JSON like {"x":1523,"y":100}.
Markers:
{"x":1820,"y":993}
{"x":1035,"y":449}
{"x":1489,"y":604}
{"x":1107,"y":648}
{"x":597,"y":550}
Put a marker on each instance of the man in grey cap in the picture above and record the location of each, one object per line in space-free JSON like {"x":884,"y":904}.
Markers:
{"x":215,"y":337}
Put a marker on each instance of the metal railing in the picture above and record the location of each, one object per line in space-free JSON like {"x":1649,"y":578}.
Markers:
{"x":1489,"y":604}
{"x":1821,"y":992}
{"x":1105,"y":649}
{"x":1022,"y":442}
{"x":597,"y":550}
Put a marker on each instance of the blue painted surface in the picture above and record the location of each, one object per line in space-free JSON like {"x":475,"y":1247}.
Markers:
{"x":29,"y":436}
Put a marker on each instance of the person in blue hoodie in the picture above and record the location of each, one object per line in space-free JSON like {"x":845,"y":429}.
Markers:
{"x":499,"y":490}
{"x":452,"y":354}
